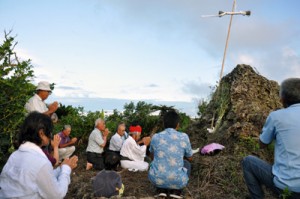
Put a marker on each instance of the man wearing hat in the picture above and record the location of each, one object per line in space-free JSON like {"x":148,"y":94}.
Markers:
{"x":132,"y":154}
{"x":36,"y":103}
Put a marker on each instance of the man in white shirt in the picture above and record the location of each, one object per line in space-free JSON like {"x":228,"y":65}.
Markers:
{"x":115,"y":144}
{"x":96,"y":144}
{"x":132,"y":154}
{"x":118,"y":138}
{"x":36,"y":103}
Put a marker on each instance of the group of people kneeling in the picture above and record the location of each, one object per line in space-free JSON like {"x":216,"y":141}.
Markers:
{"x":41,"y":167}
{"x":169,"y":153}
{"x":32,"y":172}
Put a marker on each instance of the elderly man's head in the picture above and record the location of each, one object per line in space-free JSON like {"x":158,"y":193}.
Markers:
{"x":67,"y":130}
{"x":135,"y":132}
{"x":290,"y":92}
{"x":121,"y":129}
{"x":43,"y":90}
{"x":100,"y":124}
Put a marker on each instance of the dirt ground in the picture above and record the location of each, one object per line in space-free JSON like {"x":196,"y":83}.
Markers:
{"x":136,"y":184}
{"x":203,"y":182}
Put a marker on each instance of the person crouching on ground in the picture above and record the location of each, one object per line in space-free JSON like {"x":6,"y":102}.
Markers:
{"x":118,"y":138}
{"x":96,"y":144}
{"x":132,"y":154}
{"x":28,"y":173}
{"x":169,"y":171}
{"x":66,"y":148}
{"x":116,"y":143}
{"x":283,"y":127}
{"x":108,"y":183}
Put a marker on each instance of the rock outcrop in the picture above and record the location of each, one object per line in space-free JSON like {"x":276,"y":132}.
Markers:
{"x":240,"y":104}
{"x":238,"y":109}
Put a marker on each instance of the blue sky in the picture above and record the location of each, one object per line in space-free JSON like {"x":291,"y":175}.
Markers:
{"x":102,"y":54}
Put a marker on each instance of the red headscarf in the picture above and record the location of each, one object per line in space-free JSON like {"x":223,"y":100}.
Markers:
{"x":137,"y":128}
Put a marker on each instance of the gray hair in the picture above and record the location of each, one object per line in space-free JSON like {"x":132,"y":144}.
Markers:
{"x":67,"y":126}
{"x":121,"y":124}
{"x":97,"y":121}
{"x":290,"y":91}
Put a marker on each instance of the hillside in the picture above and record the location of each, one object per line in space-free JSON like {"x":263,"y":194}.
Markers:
{"x":238,"y":110}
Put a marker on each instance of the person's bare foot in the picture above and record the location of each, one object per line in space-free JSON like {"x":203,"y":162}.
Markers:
{"x":89,"y":166}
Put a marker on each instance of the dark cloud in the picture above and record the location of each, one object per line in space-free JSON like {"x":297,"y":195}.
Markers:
{"x":70,"y":88}
{"x":197,"y":89}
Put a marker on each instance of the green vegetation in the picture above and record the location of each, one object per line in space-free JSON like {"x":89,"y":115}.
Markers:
{"x":286,"y":194}
{"x":15,"y":89}
{"x":250,"y":144}
{"x":202,"y":107}
{"x":222,"y":99}
{"x":219,"y":103}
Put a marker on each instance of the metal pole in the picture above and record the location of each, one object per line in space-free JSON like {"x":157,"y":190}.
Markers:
{"x":227,"y":40}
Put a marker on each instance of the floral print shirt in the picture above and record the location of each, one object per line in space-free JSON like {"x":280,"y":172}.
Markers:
{"x":169,"y":148}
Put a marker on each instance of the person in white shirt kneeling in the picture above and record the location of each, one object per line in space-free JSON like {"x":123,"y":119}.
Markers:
{"x":132,"y":154}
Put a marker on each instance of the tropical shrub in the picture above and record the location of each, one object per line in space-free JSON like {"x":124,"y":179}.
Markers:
{"x":15,"y":90}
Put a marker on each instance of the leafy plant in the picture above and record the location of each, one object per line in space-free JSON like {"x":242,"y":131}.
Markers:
{"x":185,"y":121}
{"x":250,"y":143}
{"x":81,"y":123}
{"x":141,"y":114}
{"x":222,"y":99}
{"x":286,"y":193}
{"x":15,"y":90}
{"x":202,"y":107}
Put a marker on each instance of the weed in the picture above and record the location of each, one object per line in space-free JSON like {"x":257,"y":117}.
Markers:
{"x":286,"y":193}
{"x":222,"y":100}
{"x":250,"y":143}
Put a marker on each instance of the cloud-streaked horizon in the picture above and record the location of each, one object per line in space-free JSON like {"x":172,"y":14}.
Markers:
{"x":156,"y":50}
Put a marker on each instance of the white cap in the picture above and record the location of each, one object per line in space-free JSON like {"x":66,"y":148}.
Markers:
{"x":43,"y":85}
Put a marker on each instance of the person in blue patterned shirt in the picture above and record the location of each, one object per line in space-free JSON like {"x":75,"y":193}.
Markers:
{"x":172,"y":152}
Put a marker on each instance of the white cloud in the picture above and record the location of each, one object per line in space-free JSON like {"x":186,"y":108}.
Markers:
{"x":288,"y":52}
{"x":24,"y":54}
{"x":291,"y":61}
{"x":244,"y":59}
{"x":279,"y":64}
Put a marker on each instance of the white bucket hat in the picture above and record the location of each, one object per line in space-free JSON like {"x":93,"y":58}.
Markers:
{"x":43,"y":85}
